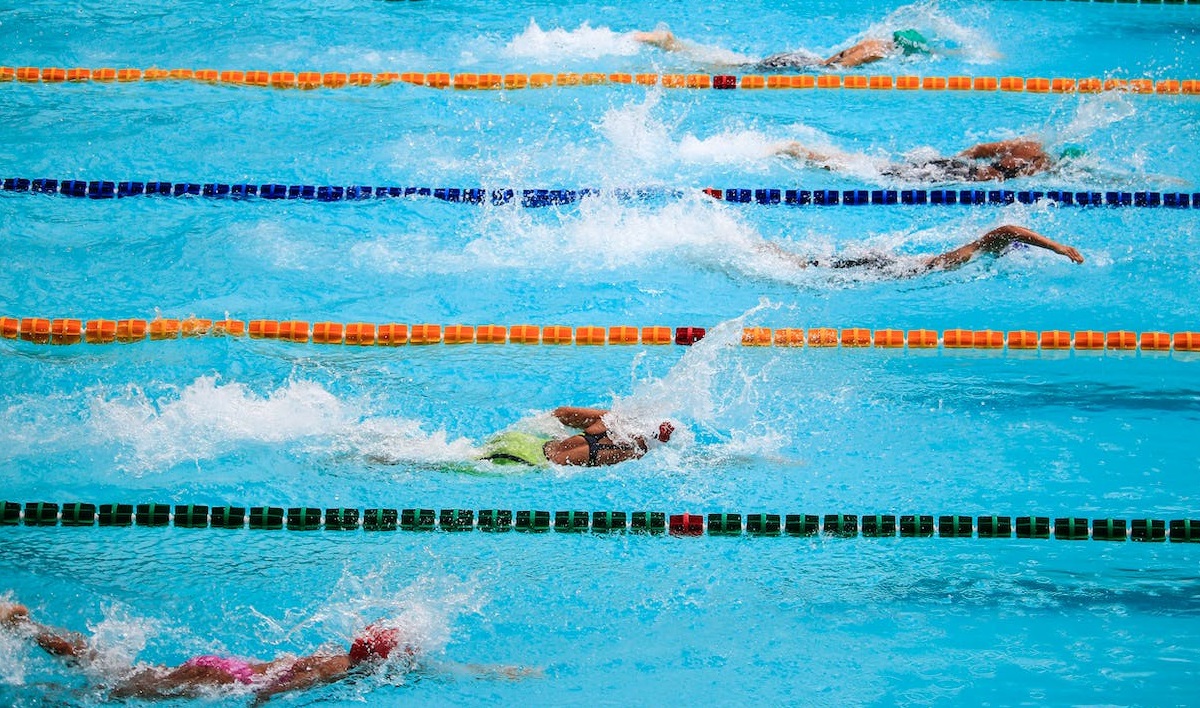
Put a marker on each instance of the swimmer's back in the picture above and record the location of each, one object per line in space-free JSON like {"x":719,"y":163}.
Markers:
{"x":786,"y":60}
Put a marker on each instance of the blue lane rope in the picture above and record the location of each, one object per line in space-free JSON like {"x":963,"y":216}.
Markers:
{"x":1069,"y":528}
{"x":98,"y":189}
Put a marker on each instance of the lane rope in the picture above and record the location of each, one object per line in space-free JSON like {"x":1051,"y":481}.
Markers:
{"x":269,"y":518}
{"x":65,"y":331}
{"x":532,"y":198}
{"x":470,"y":81}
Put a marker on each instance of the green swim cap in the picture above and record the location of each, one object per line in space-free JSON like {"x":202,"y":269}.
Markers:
{"x":911,"y":41}
{"x":1071,"y":152}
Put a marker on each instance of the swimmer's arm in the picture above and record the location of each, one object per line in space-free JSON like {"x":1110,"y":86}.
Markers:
{"x":984,"y":151}
{"x":305,"y":673}
{"x":59,"y":642}
{"x":865,"y":52}
{"x":994,"y":242}
{"x":580,"y":418}
{"x":998,"y":238}
{"x":70,"y":645}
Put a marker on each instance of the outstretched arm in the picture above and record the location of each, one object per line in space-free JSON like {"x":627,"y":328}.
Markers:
{"x":59,"y":642}
{"x":995,"y":241}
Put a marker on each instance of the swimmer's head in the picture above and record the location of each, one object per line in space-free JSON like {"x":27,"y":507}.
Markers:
{"x":376,"y":643}
{"x":664,"y":431}
{"x":910,"y":41}
{"x":1072,"y":152}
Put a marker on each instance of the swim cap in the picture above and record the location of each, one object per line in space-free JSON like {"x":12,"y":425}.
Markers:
{"x":1071,"y":152}
{"x":375,"y":643}
{"x":910,"y":41}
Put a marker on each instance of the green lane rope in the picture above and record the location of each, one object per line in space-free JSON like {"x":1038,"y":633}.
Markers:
{"x":269,"y":518}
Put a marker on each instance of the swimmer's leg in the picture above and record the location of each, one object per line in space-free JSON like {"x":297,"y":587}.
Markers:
{"x":663,"y":39}
{"x":800,"y":152}
{"x":773,"y":249}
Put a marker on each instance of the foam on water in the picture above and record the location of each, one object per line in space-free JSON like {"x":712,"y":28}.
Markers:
{"x":401,"y":440}
{"x":13,"y":669}
{"x":947,"y":36}
{"x":712,"y":388}
{"x":557,"y":44}
{"x":425,"y":608}
{"x":587,"y":42}
{"x":118,"y":639}
{"x":642,"y":139}
{"x":605,"y":235}
{"x":1112,"y":157}
{"x":36,"y":421}
{"x":602,"y":235}
{"x":208,"y":418}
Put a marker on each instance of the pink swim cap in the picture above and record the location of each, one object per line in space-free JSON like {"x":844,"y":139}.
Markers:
{"x":376,"y":643}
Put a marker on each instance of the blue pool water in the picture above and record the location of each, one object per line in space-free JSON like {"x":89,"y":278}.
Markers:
{"x":604,"y":618}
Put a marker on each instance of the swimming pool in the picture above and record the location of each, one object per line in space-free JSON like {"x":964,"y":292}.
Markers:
{"x":638,"y":618}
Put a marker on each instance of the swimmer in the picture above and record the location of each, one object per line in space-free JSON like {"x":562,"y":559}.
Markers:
{"x":204,"y":674}
{"x":985,"y":162}
{"x":903,"y":42}
{"x":591,"y":448}
{"x":994,"y":243}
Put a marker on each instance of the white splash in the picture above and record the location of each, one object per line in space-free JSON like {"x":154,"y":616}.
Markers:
{"x":208,"y":418}
{"x":1092,"y":114}
{"x":639,"y":140}
{"x":118,"y":638}
{"x":945,"y":34}
{"x":556,"y":45}
{"x":14,"y":657}
{"x":425,"y":609}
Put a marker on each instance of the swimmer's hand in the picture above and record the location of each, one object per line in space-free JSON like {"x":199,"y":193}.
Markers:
{"x":1072,"y":253}
{"x":13,"y":614}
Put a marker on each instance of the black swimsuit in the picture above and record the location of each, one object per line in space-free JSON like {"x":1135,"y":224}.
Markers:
{"x":939,"y":169}
{"x":595,"y":447}
{"x":785,"y":60}
{"x":945,"y":169}
{"x":875,"y":262}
